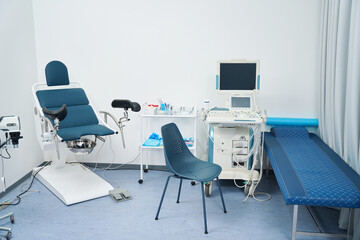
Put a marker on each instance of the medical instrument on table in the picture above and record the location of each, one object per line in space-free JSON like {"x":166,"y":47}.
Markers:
{"x":67,"y":124}
{"x":11,"y":126}
{"x":235,"y":132}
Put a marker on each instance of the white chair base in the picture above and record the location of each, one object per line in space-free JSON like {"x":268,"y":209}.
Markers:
{"x":73,"y":183}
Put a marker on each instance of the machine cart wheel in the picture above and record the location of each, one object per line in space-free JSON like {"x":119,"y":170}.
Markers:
{"x":12,"y":220}
{"x":193,"y":183}
{"x":208,"y":188}
{"x":140,"y":181}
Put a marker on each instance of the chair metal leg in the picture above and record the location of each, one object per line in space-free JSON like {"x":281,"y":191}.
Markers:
{"x":204,"y":207}
{"x":178,"y":198}
{"x":162,"y":197}
{"x":221,"y":195}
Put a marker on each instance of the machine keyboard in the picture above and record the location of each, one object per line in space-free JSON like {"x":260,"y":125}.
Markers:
{"x":233,"y":116}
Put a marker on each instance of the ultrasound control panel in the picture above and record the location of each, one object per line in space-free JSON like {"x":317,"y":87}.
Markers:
{"x":223,"y":115}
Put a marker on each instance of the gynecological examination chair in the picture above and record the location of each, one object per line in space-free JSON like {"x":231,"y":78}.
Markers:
{"x":66,"y":125}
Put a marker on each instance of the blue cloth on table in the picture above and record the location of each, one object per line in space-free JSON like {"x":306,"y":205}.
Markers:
{"x":151,"y":143}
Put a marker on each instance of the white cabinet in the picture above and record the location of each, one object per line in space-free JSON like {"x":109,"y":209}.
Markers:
{"x":186,"y":123}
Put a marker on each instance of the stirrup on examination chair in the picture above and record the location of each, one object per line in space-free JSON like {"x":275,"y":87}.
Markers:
{"x":59,"y":114}
{"x":125,"y":104}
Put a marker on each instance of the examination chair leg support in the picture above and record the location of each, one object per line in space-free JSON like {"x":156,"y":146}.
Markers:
{"x":204,"y":206}
{"x":162,"y":197}
{"x":178,"y":198}
{"x":221,"y":195}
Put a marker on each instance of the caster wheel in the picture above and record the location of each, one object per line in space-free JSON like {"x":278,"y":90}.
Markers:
{"x":193,"y":183}
{"x":146,"y":170}
{"x":12,"y":220}
{"x":140,"y":181}
{"x":208,"y":188}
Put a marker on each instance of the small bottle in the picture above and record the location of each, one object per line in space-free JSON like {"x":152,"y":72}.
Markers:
{"x":206,"y":104}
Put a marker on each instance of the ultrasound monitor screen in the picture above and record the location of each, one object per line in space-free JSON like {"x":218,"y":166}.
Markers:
{"x":237,"y":76}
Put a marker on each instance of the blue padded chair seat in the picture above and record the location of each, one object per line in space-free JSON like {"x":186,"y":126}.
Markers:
{"x":58,"y":97}
{"x":77,"y":116}
{"x":309,"y":172}
{"x":80,"y":120}
{"x":74,"y":133}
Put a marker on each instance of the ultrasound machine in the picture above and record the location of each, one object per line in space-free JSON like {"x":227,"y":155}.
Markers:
{"x":235,"y":131}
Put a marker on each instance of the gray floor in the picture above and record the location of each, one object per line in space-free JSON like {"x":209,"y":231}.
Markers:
{"x":42,"y":216}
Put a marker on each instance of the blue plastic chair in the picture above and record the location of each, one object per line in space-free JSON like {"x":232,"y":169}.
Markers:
{"x":184,"y":165}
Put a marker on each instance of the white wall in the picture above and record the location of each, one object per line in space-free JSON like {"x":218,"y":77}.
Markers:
{"x":143,"y":50}
{"x":18,"y":72}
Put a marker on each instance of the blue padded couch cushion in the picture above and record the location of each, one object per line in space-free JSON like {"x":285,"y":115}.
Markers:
{"x":309,"y":172}
{"x":283,"y":132}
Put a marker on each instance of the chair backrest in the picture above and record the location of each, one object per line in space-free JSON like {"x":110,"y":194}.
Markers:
{"x":175,"y":149}
{"x":56,"y":74}
{"x":80,"y":113}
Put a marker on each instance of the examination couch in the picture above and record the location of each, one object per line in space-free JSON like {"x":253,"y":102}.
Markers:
{"x":310,"y":173}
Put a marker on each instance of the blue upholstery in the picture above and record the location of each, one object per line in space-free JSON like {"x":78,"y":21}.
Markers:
{"x":304,"y":122}
{"x":56,"y":74}
{"x":68,"y":96}
{"x":309,"y":172}
{"x":81,"y":119}
{"x":79,"y":115}
{"x":181,"y":162}
{"x":73,"y":133}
